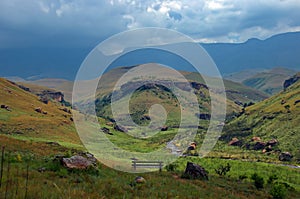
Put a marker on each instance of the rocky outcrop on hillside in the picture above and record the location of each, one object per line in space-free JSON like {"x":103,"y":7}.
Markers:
{"x":47,"y":95}
{"x":195,"y":171}
{"x":291,"y":81}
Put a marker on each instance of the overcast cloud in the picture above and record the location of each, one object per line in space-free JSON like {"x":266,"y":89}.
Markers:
{"x":87,"y":22}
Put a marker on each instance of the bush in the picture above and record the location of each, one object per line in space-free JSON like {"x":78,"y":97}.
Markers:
{"x":222,"y":170}
{"x":278,"y":191}
{"x":171,"y":167}
{"x":242,"y":177}
{"x":272,"y":178}
{"x":258,"y":181}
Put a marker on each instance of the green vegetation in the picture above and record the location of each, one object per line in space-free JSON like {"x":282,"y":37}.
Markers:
{"x":33,"y":140}
{"x":48,"y":179}
{"x":275,"y":118}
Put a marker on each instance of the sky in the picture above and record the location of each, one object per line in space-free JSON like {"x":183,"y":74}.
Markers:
{"x":81,"y":23}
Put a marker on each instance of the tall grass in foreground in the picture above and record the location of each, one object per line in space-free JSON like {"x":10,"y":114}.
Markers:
{"x":22,"y":179}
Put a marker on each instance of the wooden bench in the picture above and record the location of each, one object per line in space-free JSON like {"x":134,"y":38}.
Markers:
{"x":147,"y":164}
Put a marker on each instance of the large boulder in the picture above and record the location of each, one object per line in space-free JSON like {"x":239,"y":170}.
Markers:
{"x":80,"y":161}
{"x":195,"y":171}
{"x":285,"y":156}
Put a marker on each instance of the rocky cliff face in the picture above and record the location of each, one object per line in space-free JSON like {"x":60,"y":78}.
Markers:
{"x":291,"y":81}
{"x":46,"y":95}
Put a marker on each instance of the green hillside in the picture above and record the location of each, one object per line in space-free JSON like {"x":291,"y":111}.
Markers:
{"x":36,"y":139}
{"x":275,"y":118}
{"x":27,"y":117}
{"x":237,"y":95}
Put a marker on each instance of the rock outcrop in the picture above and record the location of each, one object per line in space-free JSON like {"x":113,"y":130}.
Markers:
{"x":121,"y":128}
{"x":164,"y":128}
{"x":79,"y":161}
{"x":291,"y":81}
{"x":195,"y":171}
{"x":285,"y":156}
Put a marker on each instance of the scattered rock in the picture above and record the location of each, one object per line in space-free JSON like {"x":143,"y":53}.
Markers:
{"x":272,"y":142}
{"x":140,"y":180}
{"x":285,"y":156}
{"x":296,"y":102}
{"x":38,"y":109}
{"x":235,"y":142}
{"x":192,"y":146}
{"x":267,"y":149}
{"x":259,"y":146}
{"x":65,"y":109}
{"x":71,"y":119}
{"x":203,"y":116}
{"x":283,"y":101}
{"x":164,"y":128}
{"x":195,"y":171}
{"x":45,"y":112}
{"x":106,"y":130}
{"x":255,"y":139}
{"x":121,"y":128}
{"x":5,"y":107}
{"x":146,"y":117}
{"x":44,"y":100}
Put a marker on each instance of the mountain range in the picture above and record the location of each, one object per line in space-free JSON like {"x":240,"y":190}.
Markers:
{"x":279,"y":50}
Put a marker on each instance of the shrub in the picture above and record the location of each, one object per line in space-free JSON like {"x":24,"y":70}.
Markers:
{"x":278,"y":191}
{"x":222,"y":170}
{"x":171,"y":167}
{"x":272,"y":178}
{"x":258,"y":181}
{"x":242,"y":177}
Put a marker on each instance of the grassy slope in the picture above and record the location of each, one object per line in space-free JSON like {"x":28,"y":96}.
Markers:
{"x":235,"y":92}
{"x":277,"y":117}
{"x":57,"y":182}
{"x":23,"y":121}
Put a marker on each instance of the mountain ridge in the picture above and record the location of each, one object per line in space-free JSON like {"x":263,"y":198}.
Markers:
{"x":278,"y":50}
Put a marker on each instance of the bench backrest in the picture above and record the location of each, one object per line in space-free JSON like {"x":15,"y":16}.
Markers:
{"x":147,"y":164}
